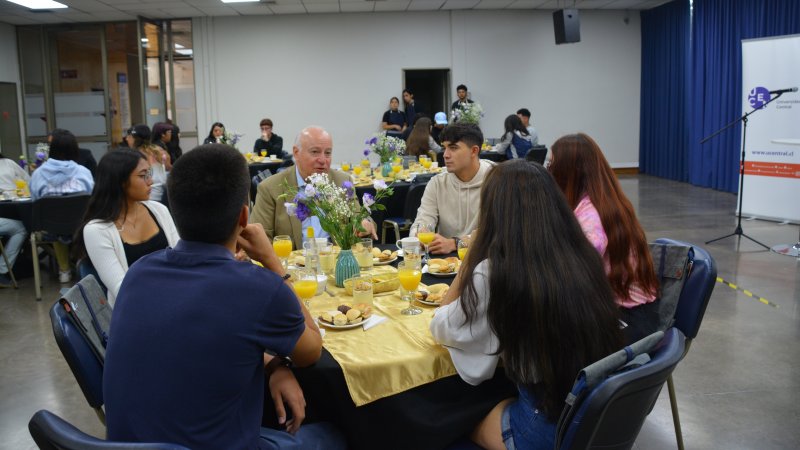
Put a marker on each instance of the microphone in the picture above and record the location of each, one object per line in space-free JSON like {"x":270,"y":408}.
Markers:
{"x":783,"y":91}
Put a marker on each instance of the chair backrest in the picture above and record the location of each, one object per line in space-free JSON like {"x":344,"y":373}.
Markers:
{"x":61,"y":215}
{"x":696,"y":291}
{"x":414,"y":199}
{"x":610,"y":415}
{"x":537,"y":154}
{"x":51,"y":432}
{"x":257,"y":179}
{"x":85,"y":365}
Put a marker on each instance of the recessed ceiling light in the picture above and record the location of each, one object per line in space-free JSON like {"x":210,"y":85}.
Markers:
{"x":39,"y":4}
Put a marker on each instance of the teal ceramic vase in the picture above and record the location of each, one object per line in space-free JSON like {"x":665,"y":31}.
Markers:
{"x":346,"y":267}
{"x":386,"y":169}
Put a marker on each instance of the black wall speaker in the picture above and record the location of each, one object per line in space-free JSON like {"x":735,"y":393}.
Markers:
{"x":567,"y":26}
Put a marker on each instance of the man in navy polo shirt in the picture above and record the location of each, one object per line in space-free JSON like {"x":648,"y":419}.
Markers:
{"x":193,"y":327}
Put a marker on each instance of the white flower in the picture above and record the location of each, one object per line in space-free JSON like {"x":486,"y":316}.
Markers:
{"x":368,"y":200}
{"x":379,"y":185}
{"x":290,"y":208}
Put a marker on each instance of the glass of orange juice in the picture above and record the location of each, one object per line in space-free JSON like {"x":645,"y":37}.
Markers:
{"x":263,"y":153}
{"x":463,"y":246}
{"x":357,"y":170}
{"x":396,"y":168}
{"x":283,"y":248}
{"x":346,"y":166}
{"x":305,"y":284}
{"x":410,"y":275}
{"x":425,"y":233}
{"x":365,"y":162}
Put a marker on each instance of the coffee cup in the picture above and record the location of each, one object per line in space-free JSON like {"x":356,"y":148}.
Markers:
{"x":409,"y":245}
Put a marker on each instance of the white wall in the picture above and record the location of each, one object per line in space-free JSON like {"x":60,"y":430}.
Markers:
{"x":339,"y":70}
{"x":9,"y":72}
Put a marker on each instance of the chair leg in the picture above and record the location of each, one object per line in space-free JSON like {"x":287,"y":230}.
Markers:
{"x":396,"y":232}
{"x":383,"y":233}
{"x":676,"y":420}
{"x":36,"y":275}
{"x":8,"y":265}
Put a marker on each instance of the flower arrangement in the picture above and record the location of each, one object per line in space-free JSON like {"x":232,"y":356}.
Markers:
{"x":469,"y":113}
{"x":231,"y":138}
{"x":386,"y":147}
{"x":337,"y":208}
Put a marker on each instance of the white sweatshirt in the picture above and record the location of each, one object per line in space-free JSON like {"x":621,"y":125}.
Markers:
{"x":452,"y":204}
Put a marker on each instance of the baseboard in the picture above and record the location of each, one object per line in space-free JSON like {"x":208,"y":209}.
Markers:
{"x":626,"y":170}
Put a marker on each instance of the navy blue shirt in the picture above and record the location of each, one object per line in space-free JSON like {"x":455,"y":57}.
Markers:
{"x":185,"y":357}
{"x":394,"y":118}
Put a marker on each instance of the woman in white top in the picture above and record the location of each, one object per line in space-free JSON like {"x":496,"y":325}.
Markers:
{"x":533,"y":293}
{"x":517,"y":140}
{"x":139,"y":139}
{"x":121,"y":225}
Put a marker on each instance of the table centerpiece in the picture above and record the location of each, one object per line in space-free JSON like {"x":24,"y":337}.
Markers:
{"x":339,"y":212}
{"x":387,"y":148}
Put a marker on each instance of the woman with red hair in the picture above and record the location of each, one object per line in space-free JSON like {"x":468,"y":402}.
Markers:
{"x":609,"y":222}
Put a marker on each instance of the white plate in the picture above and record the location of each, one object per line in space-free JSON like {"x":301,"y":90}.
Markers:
{"x":383,"y":263}
{"x":438,"y":275}
{"x":340,"y":327}
{"x":425,"y":302}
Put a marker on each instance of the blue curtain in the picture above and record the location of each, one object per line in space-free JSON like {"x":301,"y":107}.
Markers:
{"x":712,"y":89}
{"x":664,"y":128}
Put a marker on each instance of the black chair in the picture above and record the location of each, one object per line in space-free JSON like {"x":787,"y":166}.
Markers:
{"x":51,"y":217}
{"x":85,"y":365}
{"x":413,"y":200}
{"x":538,"y":153}
{"x":691,"y":308}
{"x":51,"y":432}
{"x":257,"y":179}
{"x":608,"y":412}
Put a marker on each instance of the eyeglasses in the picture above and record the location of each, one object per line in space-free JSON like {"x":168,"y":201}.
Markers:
{"x":146,"y":176}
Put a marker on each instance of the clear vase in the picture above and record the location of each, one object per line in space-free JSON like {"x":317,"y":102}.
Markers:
{"x":386,"y":169}
{"x":346,"y":267}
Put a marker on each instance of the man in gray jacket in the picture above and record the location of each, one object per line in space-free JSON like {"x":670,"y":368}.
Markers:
{"x":452,"y":199}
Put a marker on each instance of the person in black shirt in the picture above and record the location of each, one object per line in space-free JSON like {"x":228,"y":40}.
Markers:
{"x":269,"y":141}
{"x":412,"y":108}
{"x":174,"y":145}
{"x":394,"y":121}
{"x":462,"y":101}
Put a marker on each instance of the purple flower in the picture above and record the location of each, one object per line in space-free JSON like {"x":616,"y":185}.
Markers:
{"x":366,"y":152}
{"x":379,"y":185}
{"x":373,"y":141}
{"x":300,"y":197}
{"x":348,"y":188}
{"x":302,"y":212}
{"x":40,"y":155}
{"x":310,"y":191}
{"x":367,"y":200}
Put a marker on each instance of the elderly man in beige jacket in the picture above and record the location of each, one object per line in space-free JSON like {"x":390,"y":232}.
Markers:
{"x":312,"y":152}
{"x":452,"y":199}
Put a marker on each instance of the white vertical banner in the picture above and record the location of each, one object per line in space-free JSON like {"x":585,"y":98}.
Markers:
{"x":772,"y":158}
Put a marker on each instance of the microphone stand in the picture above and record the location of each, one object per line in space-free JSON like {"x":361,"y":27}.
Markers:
{"x":738,"y":231}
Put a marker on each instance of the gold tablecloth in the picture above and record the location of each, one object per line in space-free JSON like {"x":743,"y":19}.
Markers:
{"x":394,"y":356}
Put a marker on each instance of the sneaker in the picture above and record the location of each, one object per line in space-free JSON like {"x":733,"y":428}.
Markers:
{"x":64,"y":277}
{"x":5,"y":280}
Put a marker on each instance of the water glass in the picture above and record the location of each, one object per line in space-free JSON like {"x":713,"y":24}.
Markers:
{"x":363,"y":254}
{"x":362,"y":289}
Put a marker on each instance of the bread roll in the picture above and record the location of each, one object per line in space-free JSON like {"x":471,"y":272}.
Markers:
{"x":353,"y":314}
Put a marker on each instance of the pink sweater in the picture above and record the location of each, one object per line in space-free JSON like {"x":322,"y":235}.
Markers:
{"x":592,"y":227}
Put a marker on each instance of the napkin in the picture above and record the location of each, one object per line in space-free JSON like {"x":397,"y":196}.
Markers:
{"x":425,"y":268}
{"x":374,"y":320}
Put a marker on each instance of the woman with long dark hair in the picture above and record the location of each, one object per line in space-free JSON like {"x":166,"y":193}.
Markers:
{"x":517,"y":140}
{"x":216,"y":135}
{"x":532,"y":293}
{"x":420,"y":142}
{"x":121,"y":225}
{"x":609,"y":222}
{"x":140,"y":139}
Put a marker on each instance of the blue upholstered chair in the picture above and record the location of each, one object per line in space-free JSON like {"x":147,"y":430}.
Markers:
{"x":85,"y":365}
{"x":51,"y":432}
{"x":608,"y":411}
{"x":413,"y":200}
{"x":691,"y":308}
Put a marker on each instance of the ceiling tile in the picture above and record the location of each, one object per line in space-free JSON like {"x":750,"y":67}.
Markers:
{"x":218,"y":11}
{"x":392,"y":5}
{"x":425,"y":5}
{"x":315,"y":8}
{"x":295,"y":8}
{"x":357,"y":6}
{"x":251,"y":9}
{"x":493,"y":4}
{"x":460,"y":4}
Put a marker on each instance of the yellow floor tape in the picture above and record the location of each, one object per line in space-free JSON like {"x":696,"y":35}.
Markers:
{"x":747,"y":293}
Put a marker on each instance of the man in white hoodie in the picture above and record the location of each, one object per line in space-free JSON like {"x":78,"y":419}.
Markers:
{"x":452,"y":199}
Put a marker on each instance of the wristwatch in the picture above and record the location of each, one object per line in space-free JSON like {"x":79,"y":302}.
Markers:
{"x":286,"y":276}
{"x":456,"y":240}
{"x":275,"y":362}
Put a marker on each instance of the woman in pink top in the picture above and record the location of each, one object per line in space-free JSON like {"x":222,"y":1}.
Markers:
{"x":610,"y":224}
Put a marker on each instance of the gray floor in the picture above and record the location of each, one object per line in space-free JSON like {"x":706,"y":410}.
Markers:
{"x":737,"y":387}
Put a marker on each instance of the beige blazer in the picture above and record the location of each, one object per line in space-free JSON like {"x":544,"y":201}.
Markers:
{"x":270,"y":211}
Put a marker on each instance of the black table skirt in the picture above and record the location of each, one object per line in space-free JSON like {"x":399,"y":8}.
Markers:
{"x":256,"y":168}
{"x":18,"y":211}
{"x":430,"y":416}
{"x":395,"y":205}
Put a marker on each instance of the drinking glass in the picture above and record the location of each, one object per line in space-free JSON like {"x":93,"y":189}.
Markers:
{"x":357,"y":170}
{"x":463,"y":246}
{"x":363,"y":253}
{"x":362,"y":289}
{"x":305,"y":285}
{"x":263,"y":153}
{"x":410,"y":275}
{"x":396,"y":168}
{"x":365,"y":162}
{"x":426,"y":232}
{"x":283,"y":248}
{"x":345,"y":166}
{"x":327,"y":259}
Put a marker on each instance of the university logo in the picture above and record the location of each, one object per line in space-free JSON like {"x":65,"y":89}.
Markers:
{"x":758,"y":97}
